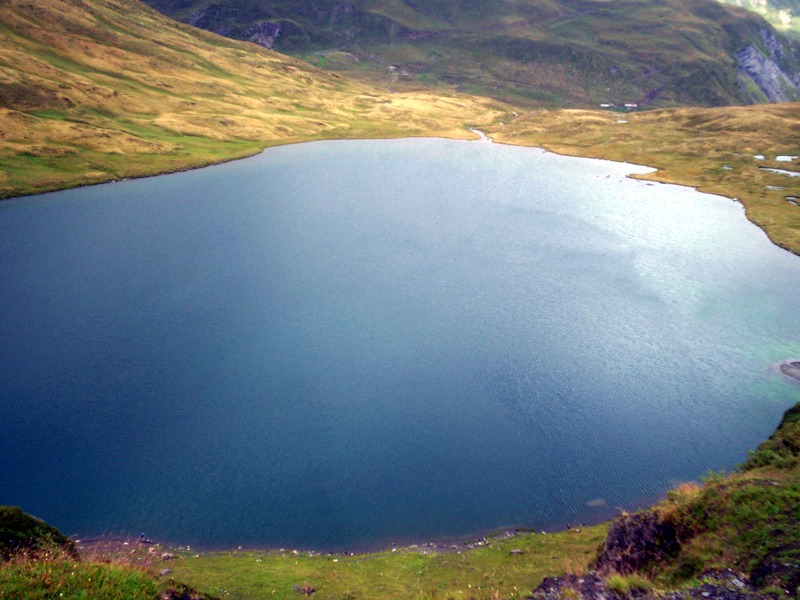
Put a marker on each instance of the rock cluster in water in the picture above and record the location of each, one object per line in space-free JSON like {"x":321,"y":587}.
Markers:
{"x":790,"y":368}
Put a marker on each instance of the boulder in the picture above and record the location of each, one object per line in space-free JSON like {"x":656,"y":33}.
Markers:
{"x":637,"y":541}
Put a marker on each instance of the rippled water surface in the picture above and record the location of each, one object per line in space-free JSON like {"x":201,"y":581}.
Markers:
{"x":343,"y":344}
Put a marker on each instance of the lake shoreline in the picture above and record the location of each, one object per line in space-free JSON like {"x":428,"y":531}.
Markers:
{"x":117,"y":545}
{"x":483,"y":423}
{"x":654,"y":175}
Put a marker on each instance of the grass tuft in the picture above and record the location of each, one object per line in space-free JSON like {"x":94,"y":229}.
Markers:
{"x":60,"y":576}
{"x":625,"y":584}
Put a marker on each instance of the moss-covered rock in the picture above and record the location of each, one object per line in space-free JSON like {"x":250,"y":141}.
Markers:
{"x":782,"y":449}
{"x":22,"y":533}
{"x":636,"y":542}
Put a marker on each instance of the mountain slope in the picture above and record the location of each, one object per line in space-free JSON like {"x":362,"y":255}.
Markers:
{"x":784,"y":15}
{"x":561,"y":52}
{"x":93,"y":90}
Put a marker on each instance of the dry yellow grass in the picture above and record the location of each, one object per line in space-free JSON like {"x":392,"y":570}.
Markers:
{"x":93,"y":90}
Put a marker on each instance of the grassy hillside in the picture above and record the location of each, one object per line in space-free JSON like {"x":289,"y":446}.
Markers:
{"x":553,"y":52}
{"x":94,"y":90}
{"x":711,"y":149}
{"x":60,"y":577}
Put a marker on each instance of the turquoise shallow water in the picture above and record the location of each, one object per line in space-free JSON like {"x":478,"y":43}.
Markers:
{"x":345,"y":344}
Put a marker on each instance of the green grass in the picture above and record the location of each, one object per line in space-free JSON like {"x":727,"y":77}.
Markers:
{"x":38,"y":562}
{"x":739,"y":520}
{"x":48,"y":578}
{"x":625,"y":584}
{"x":491,"y":567}
{"x":483,"y":572}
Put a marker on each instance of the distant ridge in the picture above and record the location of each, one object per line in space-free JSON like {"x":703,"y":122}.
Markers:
{"x":784,"y":15}
{"x":555,"y":52}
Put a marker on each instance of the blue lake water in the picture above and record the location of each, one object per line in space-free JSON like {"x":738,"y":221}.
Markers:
{"x":340,"y":345}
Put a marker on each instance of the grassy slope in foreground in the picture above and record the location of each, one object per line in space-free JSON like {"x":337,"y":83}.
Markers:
{"x":712,"y":149}
{"x":491,"y":571}
{"x":51,"y":577}
{"x":96,"y":90}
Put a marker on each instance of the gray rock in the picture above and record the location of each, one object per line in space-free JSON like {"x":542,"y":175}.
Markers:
{"x":635,"y":541}
{"x":763,"y":66}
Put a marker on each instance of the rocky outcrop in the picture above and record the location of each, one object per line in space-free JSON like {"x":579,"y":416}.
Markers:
{"x":780,"y":568}
{"x":585,"y":587}
{"x":216,"y":18}
{"x":211,"y":18}
{"x":765,"y":66}
{"x":637,"y":541}
{"x":263,"y":34}
{"x":718,"y":584}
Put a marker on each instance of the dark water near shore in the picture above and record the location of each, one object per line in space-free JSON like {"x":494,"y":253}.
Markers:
{"x":342,"y":344}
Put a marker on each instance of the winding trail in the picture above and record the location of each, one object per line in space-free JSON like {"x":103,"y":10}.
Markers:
{"x":483,"y":137}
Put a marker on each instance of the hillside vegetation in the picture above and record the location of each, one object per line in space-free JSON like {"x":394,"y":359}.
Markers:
{"x":528,"y":53}
{"x":95,"y":90}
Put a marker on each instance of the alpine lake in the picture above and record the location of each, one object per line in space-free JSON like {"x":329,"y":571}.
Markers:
{"x":342,"y":345}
